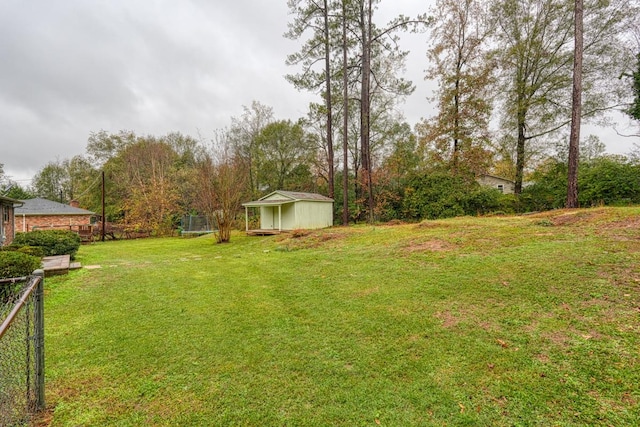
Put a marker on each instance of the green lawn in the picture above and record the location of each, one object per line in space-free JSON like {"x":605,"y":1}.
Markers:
{"x":471,"y":321}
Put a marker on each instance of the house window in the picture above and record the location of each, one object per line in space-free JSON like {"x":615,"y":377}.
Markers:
{"x":501,"y":188}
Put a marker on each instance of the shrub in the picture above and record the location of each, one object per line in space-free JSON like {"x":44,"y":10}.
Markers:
{"x":29,"y":250}
{"x":53,"y":242}
{"x":441,"y":195}
{"x":482,"y":201}
{"x":609,"y":180}
{"x":16,"y":264}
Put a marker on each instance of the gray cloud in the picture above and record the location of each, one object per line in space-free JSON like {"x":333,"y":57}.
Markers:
{"x":72,"y":67}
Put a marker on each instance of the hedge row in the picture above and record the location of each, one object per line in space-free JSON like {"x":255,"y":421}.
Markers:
{"x":17,"y":264}
{"x":52,"y":242}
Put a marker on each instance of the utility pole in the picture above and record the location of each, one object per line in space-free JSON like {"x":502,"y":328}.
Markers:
{"x":104,"y":220}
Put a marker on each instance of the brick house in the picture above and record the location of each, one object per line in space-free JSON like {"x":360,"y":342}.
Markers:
{"x":38,"y":214}
{"x":7,"y":219}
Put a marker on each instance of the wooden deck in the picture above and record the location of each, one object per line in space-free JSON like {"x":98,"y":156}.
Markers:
{"x":59,"y":264}
{"x":263,"y":232}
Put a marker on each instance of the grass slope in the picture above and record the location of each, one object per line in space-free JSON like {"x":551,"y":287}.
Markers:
{"x":470,"y":321}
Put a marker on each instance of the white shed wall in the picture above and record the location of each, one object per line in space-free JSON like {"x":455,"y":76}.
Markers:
{"x":301,"y":214}
{"x":312,"y":215}
{"x":269,"y":217}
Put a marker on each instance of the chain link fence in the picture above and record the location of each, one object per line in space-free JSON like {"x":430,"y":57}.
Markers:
{"x":21,"y":349}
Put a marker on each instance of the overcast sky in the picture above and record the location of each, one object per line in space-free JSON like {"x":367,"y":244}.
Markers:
{"x":72,"y":67}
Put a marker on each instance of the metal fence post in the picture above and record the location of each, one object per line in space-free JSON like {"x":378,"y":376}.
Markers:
{"x":39,"y":341}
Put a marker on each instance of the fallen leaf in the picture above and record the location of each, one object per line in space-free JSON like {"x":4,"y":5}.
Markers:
{"x":377,"y":421}
{"x":461,"y":407}
{"x":502,"y":343}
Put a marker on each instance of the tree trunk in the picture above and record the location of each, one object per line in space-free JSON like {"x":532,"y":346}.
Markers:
{"x":576,"y":109}
{"x":329,"y":100}
{"x":345,"y":120}
{"x":365,"y":103}
{"x":456,"y":123}
{"x":520,"y":151}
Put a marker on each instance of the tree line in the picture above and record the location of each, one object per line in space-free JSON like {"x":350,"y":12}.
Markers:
{"x":504,"y":72}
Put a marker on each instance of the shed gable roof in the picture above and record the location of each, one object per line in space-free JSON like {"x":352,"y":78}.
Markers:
{"x":297,"y":195}
{"x":39,"y":206}
{"x":280,"y":197}
{"x":498,"y":178}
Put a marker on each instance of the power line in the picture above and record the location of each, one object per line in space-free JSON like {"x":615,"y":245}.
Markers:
{"x":90,"y":187}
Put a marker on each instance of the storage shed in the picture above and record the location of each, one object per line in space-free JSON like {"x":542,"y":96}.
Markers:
{"x":289,"y":210}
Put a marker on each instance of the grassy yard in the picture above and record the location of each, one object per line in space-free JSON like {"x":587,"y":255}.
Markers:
{"x":473,"y":321}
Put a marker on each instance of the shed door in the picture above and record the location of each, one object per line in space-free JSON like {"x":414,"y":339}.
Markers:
{"x":274,"y":217}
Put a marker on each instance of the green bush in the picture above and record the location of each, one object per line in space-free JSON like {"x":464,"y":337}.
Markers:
{"x":609,"y":180}
{"x":53,"y":242}
{"x":482,"y":201}
{"x":16,"y":264}
{"x":29,"y":250}
{"x":606,"y":180}
{"x":442,"y":195}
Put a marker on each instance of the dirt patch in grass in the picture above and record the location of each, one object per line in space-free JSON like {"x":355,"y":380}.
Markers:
{"x":308,"y":239}
{"x":427,"y":224}
{"x":448,"y":319}
{"x":366,"y":292}
{"x":394,"y":222}
{"x":44,"y":418}
{"x":558,"y":338}
{"x":543,"y":358}
{"x":566,"y":217}
{"x":428,"y":246}
{"x":577,"y":217}
{"x":626,"y":223}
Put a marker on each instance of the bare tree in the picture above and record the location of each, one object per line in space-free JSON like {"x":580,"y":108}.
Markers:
{"x":576,"y":108}
{"x":222,"y":179}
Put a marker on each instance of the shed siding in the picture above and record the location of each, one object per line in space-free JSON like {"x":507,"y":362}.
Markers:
{"x":289,"y":216}
{"x":301,"y":214}
{"x":275,"y":196}
{"x":314,"y":215}
{"x":508,"y":187}
{"x":269,"y":217}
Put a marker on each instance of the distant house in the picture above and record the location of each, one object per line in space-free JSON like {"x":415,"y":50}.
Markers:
{"x":288,"y":210}
{"x":505,"y":186}
{"x":38,"y":214}
{"x":7,"y":219}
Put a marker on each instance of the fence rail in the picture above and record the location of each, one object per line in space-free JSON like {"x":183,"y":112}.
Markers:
{"x":21,"y":349}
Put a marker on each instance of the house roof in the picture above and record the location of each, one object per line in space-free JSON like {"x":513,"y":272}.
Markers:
{"x":496,"y":177}
{"x":40,"y":206}
{"x":284,"y":197}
